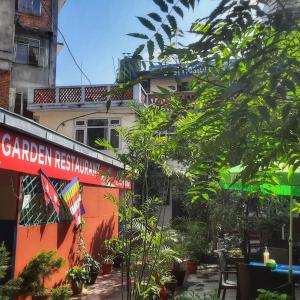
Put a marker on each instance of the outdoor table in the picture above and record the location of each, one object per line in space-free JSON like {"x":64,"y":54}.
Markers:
{"x":280,"y":269}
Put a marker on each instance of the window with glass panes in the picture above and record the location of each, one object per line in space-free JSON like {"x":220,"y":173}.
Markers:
{"x":27,"y":51}
{"x":88,"y":131}
{"x":32,"y":7}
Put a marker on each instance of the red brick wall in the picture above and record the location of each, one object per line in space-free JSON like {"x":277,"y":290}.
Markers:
{"x":42,"y":22}
{"x":4,"y":88}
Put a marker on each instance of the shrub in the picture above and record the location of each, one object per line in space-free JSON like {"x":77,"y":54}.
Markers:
{"x":38,"y":269}
{"x":61,"y":293}
{"x":4,"y":258}
{"x":78,"y":275}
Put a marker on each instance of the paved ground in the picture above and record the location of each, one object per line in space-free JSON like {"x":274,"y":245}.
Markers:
{"x":205,"y":281}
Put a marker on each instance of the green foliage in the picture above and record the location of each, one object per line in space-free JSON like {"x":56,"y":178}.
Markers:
{"x":90,"y":264}
{"x":195,"y":242}
{"x":245,"y":108}
{"x":40,"y":267}
{"x":196,"y":296}
{"x":4,"y":259}
{"x":62,"y":292}
{"x":78,"y":275}
{"x":11,"y":288}
{"x":268,"y":295}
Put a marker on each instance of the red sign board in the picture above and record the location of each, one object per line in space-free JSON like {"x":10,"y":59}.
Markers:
{"x":27,"y":155}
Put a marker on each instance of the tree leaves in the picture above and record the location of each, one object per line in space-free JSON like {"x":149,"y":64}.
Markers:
{"x":150,"y":47}
{"x":160,"y":41}
{"x":139,"y":35}
{"x":138,"y":50}
{"x":155,"y":17}
{"x":185,"y":3}
{"x":162,"y":5}
{"x":178,"y":10}
{"x":147,"y":23}
{"x":172,"y":22}
{"x":167,"y":30}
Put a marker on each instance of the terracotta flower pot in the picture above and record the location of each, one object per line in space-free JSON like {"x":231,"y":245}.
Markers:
{"x":171,"y":285}
{"x":163,"y":293}
{"x":93,"y":277}
{"x":76,"y":288}
{"x":191,"y":266}
{"x":106,"y":269}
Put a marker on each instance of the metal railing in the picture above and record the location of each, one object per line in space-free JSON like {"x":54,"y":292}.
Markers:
{"x":79,"y":94}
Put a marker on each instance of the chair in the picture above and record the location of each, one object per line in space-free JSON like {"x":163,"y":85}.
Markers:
{"x":252,"y":278}
{"x":224,"y":282}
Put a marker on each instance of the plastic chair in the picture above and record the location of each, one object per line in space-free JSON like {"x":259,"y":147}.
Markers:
{"x":224,"y":282}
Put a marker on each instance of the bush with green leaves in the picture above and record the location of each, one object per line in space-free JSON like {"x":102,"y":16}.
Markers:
{"x":78,"y":275}
{"x":197,"y":296}
{"x":268,"y":295}
{"x":4,"y":259}
{"x":90,"y":264}
{"x":40,"y":268}
{"x":62,"y":292}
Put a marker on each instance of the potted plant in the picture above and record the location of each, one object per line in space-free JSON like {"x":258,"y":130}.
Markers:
{"x":107,"y":264}
{"x":170,"y":283}
{"x":37,"y":271}
{"x":178,"y":272}
{"x":77,"y":277}
{"x":62,"y":292}
{"x":92,"y":267}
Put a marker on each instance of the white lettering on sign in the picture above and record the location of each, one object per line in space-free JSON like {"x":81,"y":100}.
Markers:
{"x":23,"y":149}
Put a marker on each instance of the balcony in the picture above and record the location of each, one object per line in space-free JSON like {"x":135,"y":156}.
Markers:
{"x":95,"y":97}
{"x":72,"y":97}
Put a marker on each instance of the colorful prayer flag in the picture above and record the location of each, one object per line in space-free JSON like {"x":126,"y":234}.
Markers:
{"x":72,"y":197}
{"x":50,"y":193}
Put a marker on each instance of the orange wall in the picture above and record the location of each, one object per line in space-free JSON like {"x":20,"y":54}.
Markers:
{"x":101,"y":223}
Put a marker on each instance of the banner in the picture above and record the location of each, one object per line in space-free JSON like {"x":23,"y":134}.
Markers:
{"x":72,"y":197}
{"x":50,"y":193}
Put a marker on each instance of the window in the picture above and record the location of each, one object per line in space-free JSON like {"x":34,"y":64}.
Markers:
{"x":27,"y":51}
{"x":87,"y":131}
{"x":32,"y":7}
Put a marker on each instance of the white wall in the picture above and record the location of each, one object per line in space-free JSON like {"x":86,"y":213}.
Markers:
{"x":64,"y":123}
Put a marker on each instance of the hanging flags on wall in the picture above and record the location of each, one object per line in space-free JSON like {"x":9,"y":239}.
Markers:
{"x":72,"y":197}
{"x":50,"y":193}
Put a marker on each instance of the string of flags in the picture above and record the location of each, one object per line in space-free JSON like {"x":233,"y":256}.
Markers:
{"x":70,"y":194}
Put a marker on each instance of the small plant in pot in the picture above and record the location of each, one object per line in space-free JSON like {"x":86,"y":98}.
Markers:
{"x":62,"y":292}
{"x":92,"y":267}
{"x":77,"y":277}
{"x":179,"y":272}
{"x":107,"y":264}
{"x":170,"y":283}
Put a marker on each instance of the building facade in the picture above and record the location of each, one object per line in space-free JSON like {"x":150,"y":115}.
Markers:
{"x":27,"y":224}
{"x":28,"y":49}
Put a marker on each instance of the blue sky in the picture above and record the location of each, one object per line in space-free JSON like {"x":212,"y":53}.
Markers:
{"x":96,"y":33}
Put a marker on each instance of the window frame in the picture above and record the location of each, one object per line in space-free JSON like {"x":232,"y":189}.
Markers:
{"x":85,"y":127}
{"x":29,"y":43}
{"x":31,"y":11}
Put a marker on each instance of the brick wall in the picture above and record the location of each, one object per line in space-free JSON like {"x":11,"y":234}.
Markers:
{"x":4,"y":88}
{"x":41,"y":22}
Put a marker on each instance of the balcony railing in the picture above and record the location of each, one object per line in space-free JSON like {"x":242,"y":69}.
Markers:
{"x":93,"y":96}
{"x":78,"y":94}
